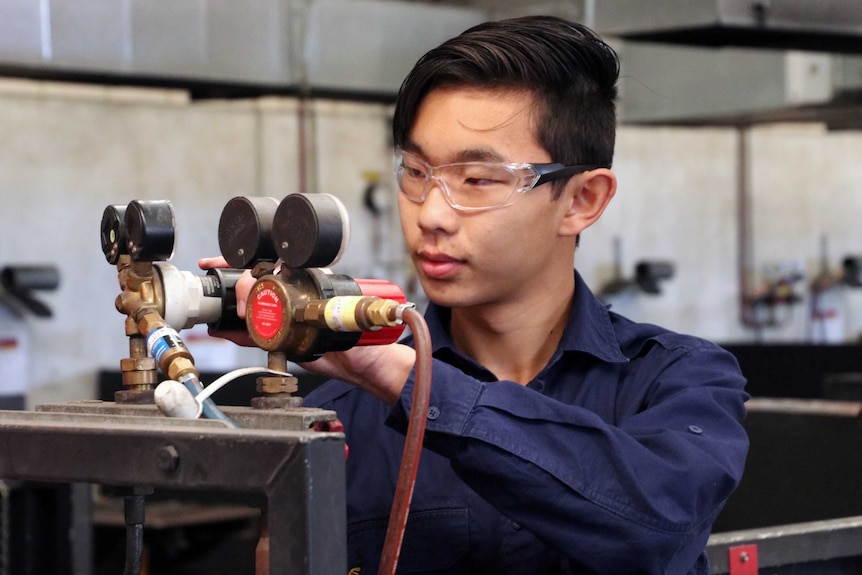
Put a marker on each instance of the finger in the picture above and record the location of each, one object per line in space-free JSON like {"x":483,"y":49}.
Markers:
{"x":243,"y":288}
{"x":209,"y":263}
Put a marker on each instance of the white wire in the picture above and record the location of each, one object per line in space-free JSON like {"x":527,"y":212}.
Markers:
{"x":232,"y":375}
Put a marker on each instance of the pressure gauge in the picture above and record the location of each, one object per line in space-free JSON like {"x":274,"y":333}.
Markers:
{"x":150,"y":227}
{"x":245,"y":231}
{"x":310,"y":230}
{"x":113,"y":233}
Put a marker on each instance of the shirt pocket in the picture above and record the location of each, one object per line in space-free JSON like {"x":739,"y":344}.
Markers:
{"x":435,"y":541}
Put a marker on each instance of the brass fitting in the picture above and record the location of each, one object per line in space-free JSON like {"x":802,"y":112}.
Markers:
{"x":378,"y":312}
{"x":311,"y":313}
{"x":138,"y":372}
{"x":349,"y":313}
{"x":140,"y":289}
{"x":149,"y":320}
{"x":177,"y":360}
{"x":271,"y":385}
{"x":179,"y":364}
{"x":141,"y":301}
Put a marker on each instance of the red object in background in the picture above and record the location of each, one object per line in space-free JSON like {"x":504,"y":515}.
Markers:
{"x":384,"y":290}
{"x":8,"y":343}
{"x":742,"y":560}
{"x":334,"y":426}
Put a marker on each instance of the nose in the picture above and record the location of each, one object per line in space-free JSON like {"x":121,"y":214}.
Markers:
{"x":435,"y":213}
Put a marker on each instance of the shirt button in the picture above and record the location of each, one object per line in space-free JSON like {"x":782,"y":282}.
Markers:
{"x":516,"y":526}
{"x":433,"y":412}
{"x":695,"y":429}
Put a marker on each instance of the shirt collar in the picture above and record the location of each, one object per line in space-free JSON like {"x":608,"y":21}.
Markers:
{"x":589,"y":329}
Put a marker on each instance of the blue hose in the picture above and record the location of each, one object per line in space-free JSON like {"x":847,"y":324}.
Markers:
{"x":210,"y":409}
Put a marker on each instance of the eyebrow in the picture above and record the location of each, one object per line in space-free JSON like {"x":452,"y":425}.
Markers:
{"x":467,"y":155}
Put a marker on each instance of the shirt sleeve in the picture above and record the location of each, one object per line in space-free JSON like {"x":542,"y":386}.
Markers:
{"x":636,"y":495}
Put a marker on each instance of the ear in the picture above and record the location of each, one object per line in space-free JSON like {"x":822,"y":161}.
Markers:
{"x":586,"y":195}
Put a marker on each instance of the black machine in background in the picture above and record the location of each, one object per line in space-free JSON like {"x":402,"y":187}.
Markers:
{"x":805,"y":432}
{"x":798,"y":504}
{"x":802,"y":371}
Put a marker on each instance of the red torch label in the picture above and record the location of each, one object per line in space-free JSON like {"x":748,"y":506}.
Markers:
{"x":267,"y":313}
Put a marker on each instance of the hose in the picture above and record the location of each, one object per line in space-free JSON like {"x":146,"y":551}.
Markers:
{"x":210,"y":409}
{"x":412,"y":444}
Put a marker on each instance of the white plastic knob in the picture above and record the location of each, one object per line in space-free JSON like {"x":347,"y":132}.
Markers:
{"x":175,"y":400}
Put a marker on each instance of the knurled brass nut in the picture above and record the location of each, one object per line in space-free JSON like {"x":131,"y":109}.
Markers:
{"x":150,"y":322}
{"x":137,"y":364}
{"x":277,"y":384}
{"x":145,"y":379}
{"x":180,"y":365}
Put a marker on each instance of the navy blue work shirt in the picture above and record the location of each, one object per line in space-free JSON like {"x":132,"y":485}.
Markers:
{"x":615,"y":459}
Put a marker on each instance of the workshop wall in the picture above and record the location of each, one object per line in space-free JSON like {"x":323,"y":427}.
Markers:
{"x":678,"y":201}
{"x":66,"y":152}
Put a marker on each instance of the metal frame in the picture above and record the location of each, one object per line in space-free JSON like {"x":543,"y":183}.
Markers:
{"x":794,"y":544}
{"x":798,"y":503}
{"x":298,"y":474}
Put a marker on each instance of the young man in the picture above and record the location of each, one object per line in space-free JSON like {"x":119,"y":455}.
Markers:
{"x":562,"y":438}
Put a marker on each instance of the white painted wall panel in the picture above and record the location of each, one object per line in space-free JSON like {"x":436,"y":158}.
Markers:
{"x":67,"y":152}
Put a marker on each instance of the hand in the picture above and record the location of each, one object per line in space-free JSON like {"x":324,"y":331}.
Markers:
{"x":379,"y":369}
{"x":210,"y":263}
{"x":242,"y":289}
{"x":243,"y":285}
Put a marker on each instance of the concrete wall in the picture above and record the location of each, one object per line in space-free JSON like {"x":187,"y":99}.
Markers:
{"x":66,"y":152}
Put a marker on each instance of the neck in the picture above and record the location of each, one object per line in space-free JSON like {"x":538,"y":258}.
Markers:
{"x":515,"y":340}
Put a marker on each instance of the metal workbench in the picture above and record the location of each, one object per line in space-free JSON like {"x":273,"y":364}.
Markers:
{"x":295,"y":475}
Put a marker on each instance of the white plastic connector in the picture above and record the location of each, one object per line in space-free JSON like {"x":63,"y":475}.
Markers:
{"x":175,"y":400}
{"x":184,"y":300}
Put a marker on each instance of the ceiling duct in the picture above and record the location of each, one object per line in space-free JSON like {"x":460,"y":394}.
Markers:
{"x":810,"y":25}
{"x":348,"y":48}
{"x":666,"y":84}
{"x":738,"y":62}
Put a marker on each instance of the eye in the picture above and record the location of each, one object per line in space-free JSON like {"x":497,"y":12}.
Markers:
{"x":474,"y":181}
{"x":413,"y":170}
{"x":481,"y":175}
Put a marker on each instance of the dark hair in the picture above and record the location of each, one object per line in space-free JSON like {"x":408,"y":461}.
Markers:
{"x":569,"y":69}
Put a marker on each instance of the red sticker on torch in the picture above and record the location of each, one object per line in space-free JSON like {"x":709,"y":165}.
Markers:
{"x":266,"y":313}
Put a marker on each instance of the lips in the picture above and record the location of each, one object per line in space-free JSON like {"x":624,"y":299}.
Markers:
{"x":437,"y":265}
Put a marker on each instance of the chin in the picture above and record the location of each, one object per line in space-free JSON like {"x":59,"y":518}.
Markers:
{"x":452,"y":296}
{"x":447,"y":295}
